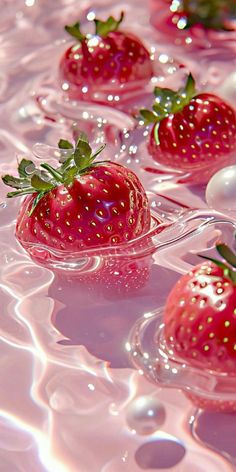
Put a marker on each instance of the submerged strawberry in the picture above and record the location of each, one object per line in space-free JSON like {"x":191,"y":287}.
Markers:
{"x":192,"y":132}
{"x":200,"y":319}
{"x":104,"y":66}
{"x":81,"y":204}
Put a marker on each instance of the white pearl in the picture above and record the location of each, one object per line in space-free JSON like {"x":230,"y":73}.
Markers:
{"x":145,"y":415}
{"x":221,"y":189}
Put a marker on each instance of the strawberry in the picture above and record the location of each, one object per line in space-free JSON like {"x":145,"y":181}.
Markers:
{"x":81,"y":204}
{"x":193,"y":133}
{"x":200,"y":319}
{"x":103,"y":67}
{"x":196,"y":27}
{"x":213,"y":14}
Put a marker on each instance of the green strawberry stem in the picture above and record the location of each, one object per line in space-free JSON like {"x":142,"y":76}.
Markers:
{"x":210,"y":13}
{"x":229,"y":256}
{"x":20,"y":193}
{"x":33,"y":180}
{"x":25,"y":168}
{"x":102,"y":28}
{"x":64,"y":144}
{"x":53,"y":172}
{"x":168,"y":102}
{"x":74,"y":30}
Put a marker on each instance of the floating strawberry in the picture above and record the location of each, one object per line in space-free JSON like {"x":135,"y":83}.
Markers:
{"x":205,"y":29}
{"x":104,"y":66}
{"x":213,"y":14}
{"x":79,"y":205}
{"x":200,"y":319}
{"x":192,"y":132}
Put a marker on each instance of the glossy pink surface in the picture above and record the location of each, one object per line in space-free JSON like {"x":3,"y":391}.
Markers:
{"x":71,"y":398}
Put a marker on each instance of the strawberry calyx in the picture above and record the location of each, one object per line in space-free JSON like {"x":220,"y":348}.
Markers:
{"x":75,"y":31}
{"x":75,"y":160}
{"x":229,"y":256}
{"x":102,"y":28}
{"x":210,"y":13}
{"x":168,"y":102}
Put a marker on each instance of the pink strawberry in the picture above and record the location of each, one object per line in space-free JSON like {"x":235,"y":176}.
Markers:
{"x":81,"y":204}
{"x":192,"y":132}
{"x":104,"y":66}
{"x":200,"y":320}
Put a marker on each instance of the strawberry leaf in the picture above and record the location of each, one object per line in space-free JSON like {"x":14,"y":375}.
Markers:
{"x":66,"y":164}
{"x":74,"y":30}
{"x":84,"y":148}
{"x":186,"y":94}
{"x":103,"y":28}
{"x":168,"y":102}
{"x":26,"y":168}
{"x":82,"y":158}
{"x":227,"y":254}
{"x":216,"y":262}
{"x":190,"y":86}
{"x":15,"y":182}
{"x":159,"y":112}
{"x":53,"y":172}
{"x":41,"y":180}
{"x":81,"y":137}
{"x":39,"y":184}
{"x":82,"y":153}
{"x":98,"y":151}
{"x":22,"y":192}
{"x":148,"y":116}
{"x":165,"y":97}
{"x":70,"y":175}
{"x":64,"y":144}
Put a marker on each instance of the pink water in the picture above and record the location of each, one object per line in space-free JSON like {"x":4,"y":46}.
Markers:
{"x":71,"y":399}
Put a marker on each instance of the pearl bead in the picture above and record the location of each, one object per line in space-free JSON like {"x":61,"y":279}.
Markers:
{"x":221,"y":189}
{"x":145,"y":415}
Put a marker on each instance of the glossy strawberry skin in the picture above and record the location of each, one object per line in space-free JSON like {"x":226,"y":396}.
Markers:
{"x":202,"y":135}
{"x":200,"y":319}
{"x":115,"y":64}
{"x":105,"y":206}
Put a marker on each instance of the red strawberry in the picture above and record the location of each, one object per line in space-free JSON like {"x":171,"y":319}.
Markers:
{"x":192,"y":132}
{"x":200,"y":320}
{"x":194,"y":23}
{"x":210,"y":13}
{"x":104,"y":66}
{"x":81,"y":204}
